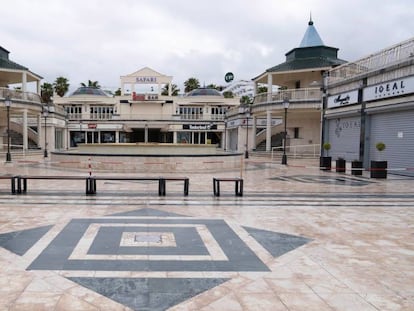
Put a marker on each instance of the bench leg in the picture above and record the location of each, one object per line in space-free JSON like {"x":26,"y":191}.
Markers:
{"x":161,"y":187}
{"x":90,"y":185}
{"x":239,"y":188}
{"x":216,"y":187}
{"x":13,"y":181}
{"x":186,"y":186}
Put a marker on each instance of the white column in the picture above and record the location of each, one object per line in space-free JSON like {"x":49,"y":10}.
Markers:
{"x":254,"y":120}
{"x":269,"y":130}
{"x":269,"y":87}
{"x":169,"y":89}
{"x":38,"y":89}
{"x":146,"y":134}
{"x":24,"y":84}
{"x":25,"y":133}
{"x":116,"y":137}
{"x":174,"y":137}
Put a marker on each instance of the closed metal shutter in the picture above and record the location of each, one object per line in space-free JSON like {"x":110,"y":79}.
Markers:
{"x":344,"y":134}
{"x":396,"y":131}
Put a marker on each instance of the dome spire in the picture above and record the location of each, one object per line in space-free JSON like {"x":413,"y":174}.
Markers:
{"x":311,"y":37}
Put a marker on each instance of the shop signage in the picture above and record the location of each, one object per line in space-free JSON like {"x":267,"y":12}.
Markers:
{"x":229,"y":77}
{"x":389,"y":89}
{"x":91,"y":125}
{"x":146,"y":80}
{"x":200,"y":127}
{"x":343,"y":99}
{"x":346,"y":125}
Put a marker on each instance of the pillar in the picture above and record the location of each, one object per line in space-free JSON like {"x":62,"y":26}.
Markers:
{"x":146,"y":134}
{"x":174,"y":137}
{"x":269,"y":130}
{"x":116,"y":137}
{"x":269,"y":87}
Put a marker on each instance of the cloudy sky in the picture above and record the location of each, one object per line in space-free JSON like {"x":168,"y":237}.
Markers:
{"x":101,"y":40}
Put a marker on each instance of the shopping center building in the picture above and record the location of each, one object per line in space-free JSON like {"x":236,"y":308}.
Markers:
{"x":369,"y":101}
{"x":351,"y":105}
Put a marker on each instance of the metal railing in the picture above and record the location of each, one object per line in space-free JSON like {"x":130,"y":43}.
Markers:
{"x":383,"y":58}
{"x":313,"y":93}
{"x":310,"y":150}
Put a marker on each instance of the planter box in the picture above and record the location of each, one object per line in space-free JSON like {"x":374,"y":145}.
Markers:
{"x":325,"y":163}
{"x":379,"y":169}
{"x":340,"y":166}
{"x":356,"y":168}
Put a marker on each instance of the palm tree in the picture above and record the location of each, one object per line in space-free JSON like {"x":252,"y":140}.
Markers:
{"x":61,"y":86}
{"x":46,"y":92}
{"x":174,"y":90}
{"x":191,"y":84}
{"x":93,"y":84}
{"x":245,"y":100}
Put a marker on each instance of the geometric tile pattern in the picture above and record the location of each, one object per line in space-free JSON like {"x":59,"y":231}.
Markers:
{"x":149,"y":240}
{"x":237,"y":255}
{"x":330,"y":180}
{"x":275,"y":243}
{"x":19,"y":242}
{"x":148,"y":294}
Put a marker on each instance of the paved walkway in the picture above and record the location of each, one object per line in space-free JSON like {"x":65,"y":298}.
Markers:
{"x":299,"y":239}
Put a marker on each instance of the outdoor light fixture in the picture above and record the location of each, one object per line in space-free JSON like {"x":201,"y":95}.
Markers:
{"x":285,"y":106}
{"x":247,"y":113}
{"x":8,"y":103}
{"x":45,"y":115}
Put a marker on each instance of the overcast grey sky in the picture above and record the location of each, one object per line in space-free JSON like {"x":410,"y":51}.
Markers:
{"x":102,"y":40}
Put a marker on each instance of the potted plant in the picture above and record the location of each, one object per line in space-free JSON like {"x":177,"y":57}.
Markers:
{"x":325,"y":162}
{"x":379,"y":168}
{"x":356,"y":167}
{"x":340,"y":165}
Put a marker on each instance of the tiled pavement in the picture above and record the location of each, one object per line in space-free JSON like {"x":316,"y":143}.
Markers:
{"x":299,"y":239}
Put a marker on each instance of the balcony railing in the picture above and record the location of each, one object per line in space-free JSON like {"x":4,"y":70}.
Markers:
{"x":305,"y":94}
{"x":16,"y":95}
{"x":392,"y":55}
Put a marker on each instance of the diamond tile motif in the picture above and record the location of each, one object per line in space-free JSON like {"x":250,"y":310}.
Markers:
{"x":19,"y":242}
{"x":156,"y":294}
{"x":148,"y":240}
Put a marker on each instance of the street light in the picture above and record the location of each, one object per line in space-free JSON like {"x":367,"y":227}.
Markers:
{"x":225,"y":132}
{"x":247,"y":112}
{"x":45,"y":114}
{"x":8,"y":103}
{"x":285,"y":106}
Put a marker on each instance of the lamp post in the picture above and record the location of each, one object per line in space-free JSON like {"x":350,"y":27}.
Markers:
{"x":225,"y":132}
{"x":45,"y":114}
{"x":8,"y":103}
{"x":285,"y":106}
{"x":247,"y":112}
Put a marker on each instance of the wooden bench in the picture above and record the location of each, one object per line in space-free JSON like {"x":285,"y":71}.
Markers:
{"x":13,"y":182}
{"x":161,"y":182}
{"x":22,"y":181}
{"x":238,"y":183}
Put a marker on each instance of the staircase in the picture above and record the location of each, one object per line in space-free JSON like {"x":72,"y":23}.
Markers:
{"x":16,"y":139}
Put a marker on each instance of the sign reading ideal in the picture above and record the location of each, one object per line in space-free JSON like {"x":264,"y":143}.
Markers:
{"x":389,"y":89}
